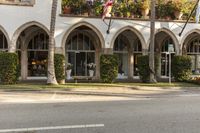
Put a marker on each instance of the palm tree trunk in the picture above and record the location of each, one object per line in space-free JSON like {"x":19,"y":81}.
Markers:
{"x":51,"y":71}
{"x":152,"y":36}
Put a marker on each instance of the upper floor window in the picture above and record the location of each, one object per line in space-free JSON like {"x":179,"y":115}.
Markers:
{"x":17,"y":2}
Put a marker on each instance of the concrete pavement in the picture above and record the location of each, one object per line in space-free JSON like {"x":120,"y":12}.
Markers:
{"x":93,"y":94}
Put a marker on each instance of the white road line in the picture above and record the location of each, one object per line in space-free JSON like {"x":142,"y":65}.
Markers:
{"x":50,"y":128}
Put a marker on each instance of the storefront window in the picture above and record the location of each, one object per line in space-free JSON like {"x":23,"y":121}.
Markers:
{"x":121,"y":50}
{"x":80,"y":52}
{"x":165,"y":57}
{"x":37,"y":55}
{"x":193,"y":50}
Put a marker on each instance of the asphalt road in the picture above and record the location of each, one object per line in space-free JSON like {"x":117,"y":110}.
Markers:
{"x":180,"y":114}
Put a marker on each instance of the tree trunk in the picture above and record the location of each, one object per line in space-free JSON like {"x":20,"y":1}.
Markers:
{"x":51,"y":71}
{"x":152,"y":36}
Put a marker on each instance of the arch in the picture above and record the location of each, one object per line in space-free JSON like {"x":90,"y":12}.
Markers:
{"x":5,"y":34}
{"x":22,"y":28}
{"x":31,"y":35}
{"x":83,"y":23}
{"x":183,"y":40}
{"x":172,"y":35}
{"x":138,"y":34}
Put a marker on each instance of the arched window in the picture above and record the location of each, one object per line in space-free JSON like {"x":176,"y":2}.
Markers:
{"x":3,"y":42}
{"x":194,"y":47}
{"x":121,"y":50}
{"x":80,"y":52}
{"x":193,"y":50}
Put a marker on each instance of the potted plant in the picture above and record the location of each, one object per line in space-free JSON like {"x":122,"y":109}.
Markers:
{"x":145,"y":6}
{"x":165,"y":10}
{"x":69,"y":70}
{"x":97,"y":5}
{"x":132,"y":7}
{"x":179,"y":8}
{"x":66,"y":6}
{"x":91,"y":69}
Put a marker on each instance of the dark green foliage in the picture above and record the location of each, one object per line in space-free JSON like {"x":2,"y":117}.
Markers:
{"x":108,"y":68}
{"x":9,"y":68}
{"x":59,"y":66}
{"x":143,"y":67}
{"x":181,"y":68}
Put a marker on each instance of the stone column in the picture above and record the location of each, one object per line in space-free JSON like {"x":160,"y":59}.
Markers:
{"x":130,"y":64}
{"x":12,"y":47}
{"x":24,"y":64}
{"x":97,"y":60}
{"x":158,"y":71}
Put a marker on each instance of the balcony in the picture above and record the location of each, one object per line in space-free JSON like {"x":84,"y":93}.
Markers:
{"x":128,"y":9}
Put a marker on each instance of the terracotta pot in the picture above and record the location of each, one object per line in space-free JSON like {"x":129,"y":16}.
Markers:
{"x":67,"y":10}
{"x":145,"y":12}
{"x":178,"y":14}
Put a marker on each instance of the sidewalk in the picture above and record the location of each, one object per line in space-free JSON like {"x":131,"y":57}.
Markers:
{"x":92,"y":94}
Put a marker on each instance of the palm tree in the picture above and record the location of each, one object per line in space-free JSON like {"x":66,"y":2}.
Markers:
{"x":152,"y":36}
{"x":51,"y":72}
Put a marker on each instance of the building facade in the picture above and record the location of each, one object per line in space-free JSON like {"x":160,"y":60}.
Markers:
{"x":24,"y":28}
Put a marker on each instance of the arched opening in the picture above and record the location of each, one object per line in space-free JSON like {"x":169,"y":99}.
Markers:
{"x":127,"y":47}
{"x":32,"y":46}
{"x":3,"y":42}
{"x":82,"y":49}
{"x":191,"y":47}
{"x":163,"y":42}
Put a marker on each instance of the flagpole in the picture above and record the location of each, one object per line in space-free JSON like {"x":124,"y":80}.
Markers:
{"x":108,"y":31}
{"x":189,"y":18}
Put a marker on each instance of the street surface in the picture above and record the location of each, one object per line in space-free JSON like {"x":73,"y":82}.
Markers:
{"x":178,"y":113}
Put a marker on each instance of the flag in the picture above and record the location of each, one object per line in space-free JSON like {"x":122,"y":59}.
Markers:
{"x":197,"y":12}
{"x":107,"y":9}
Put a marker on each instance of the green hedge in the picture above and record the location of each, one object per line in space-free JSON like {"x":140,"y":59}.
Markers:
{"x":108,"y":68}
{"x":181,"y":68}
{"x":9,"y":68}
{"x":143,"y":67}
{"x":59,"y":67}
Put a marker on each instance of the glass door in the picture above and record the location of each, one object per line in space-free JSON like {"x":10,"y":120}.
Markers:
{"x":81,"y":64}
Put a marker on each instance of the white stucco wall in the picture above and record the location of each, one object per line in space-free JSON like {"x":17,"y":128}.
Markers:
{"x":13,"y":17}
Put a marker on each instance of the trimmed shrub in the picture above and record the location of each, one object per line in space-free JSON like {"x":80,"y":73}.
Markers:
{"x":181,"y":68}
{"x":108,"y":68}
{"x":143,"y":67}
{"x":59,"y":67}
{"x":9,"y":68}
